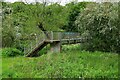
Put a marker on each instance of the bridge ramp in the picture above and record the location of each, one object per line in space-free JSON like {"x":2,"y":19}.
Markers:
{"x":37,"y":49}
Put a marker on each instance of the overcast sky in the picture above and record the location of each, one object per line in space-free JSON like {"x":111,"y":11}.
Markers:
{"x":63,"y":2}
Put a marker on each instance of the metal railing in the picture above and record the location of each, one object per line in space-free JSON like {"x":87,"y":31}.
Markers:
{"x":32,"y":44}
{"x":48,"y":35}
{"x":61,"y":35}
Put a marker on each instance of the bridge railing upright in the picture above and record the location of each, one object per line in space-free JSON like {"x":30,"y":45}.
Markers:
{"x":54,"y":35}
{"x":51,"y":35}
{"x":70,"y":35}
{"x":33,"y":42}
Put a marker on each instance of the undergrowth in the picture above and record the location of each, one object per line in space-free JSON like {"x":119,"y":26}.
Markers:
{"x":68,"y":64}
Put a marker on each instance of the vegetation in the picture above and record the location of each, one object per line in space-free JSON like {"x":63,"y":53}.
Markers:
{"x":97,"y":21}
{"x":21,"y":20}
{"x":95,"y":59}
{"x":10,"y":52}
{"x":68,"y":64}
{"x":74,"y":10}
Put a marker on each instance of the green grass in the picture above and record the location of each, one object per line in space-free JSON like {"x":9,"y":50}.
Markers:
{"x":70,"y":64}
{"x":0,"y":67}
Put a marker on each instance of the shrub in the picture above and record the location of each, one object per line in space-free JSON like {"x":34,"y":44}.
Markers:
{"x":101,"y":23}
{"x":10,"y":52}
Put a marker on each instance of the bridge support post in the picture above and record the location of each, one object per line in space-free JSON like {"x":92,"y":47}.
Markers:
{"x":55,"y":47}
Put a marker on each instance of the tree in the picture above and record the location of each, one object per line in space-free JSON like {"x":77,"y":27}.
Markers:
{"x":74,"y":10}
{"x":7,"y":30}
{"x":20,"y":19}
{"x":101,"y":23}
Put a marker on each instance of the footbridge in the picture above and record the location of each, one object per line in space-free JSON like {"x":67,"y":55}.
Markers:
{"x":55,"y":39}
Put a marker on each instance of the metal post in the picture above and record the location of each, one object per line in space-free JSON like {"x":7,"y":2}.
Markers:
{"x":69,"y":37}
{"x":31,"y":46}
{"x":43,"y":35}
{"x":36,"y":41}
{"x":51,"y":35}
{"x":60,"y":36}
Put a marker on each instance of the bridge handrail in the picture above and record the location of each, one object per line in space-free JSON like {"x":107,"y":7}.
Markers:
{"x":50,"y":35}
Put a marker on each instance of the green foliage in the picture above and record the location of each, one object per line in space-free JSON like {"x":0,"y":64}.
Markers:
{"x":70,"y":47}
{"x":10,"y":52}
{"x":101,"y":23}
{"x":69,"y":64}
{"x":20,"y":20}
{"x":53,"y":17}
{"x":95,"y":20}
{"x":74,"y":9}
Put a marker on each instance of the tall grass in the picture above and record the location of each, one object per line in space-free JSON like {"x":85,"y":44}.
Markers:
{"x":68,"y":64}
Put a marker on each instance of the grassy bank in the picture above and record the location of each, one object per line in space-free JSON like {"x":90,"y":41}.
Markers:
{"x":70,"y":64}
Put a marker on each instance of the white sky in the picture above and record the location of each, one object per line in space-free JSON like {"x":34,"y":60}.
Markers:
{"x":63,"y":2}
{"x":46,"y":0}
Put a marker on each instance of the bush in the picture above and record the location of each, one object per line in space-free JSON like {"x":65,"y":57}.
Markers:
{"x":101,"y":23}
{"x":10,"y":52}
